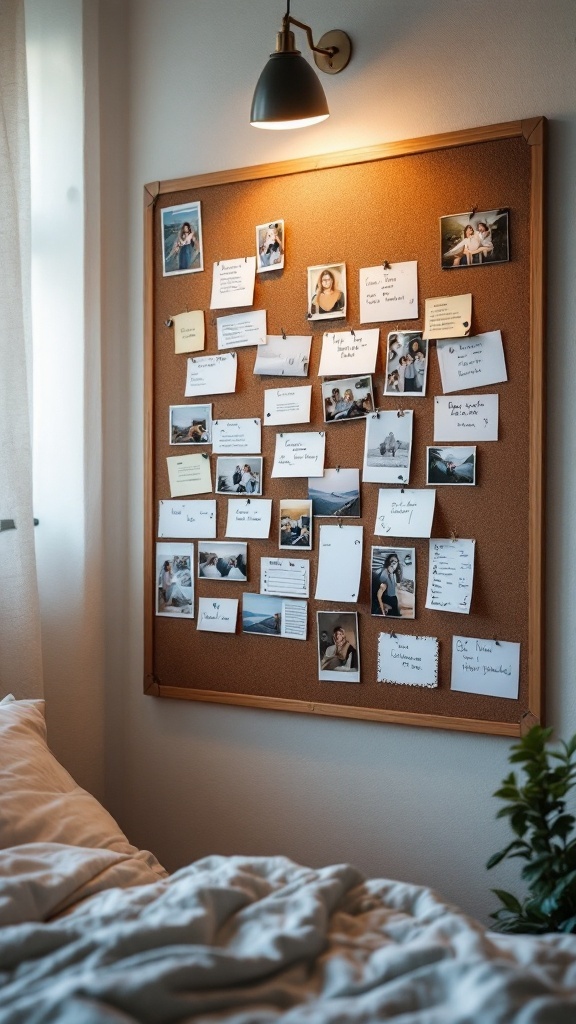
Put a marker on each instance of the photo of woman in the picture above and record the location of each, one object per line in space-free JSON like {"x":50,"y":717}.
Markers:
{"x":222,"y":561}
{"x":338,"y":654}
{"x":182,"y":239}
{"x":393,"y":582}
{"x":327,"y":292}
{"x":234,"y":476}
{"x":270,"y":246}
{"x":175,"y":584}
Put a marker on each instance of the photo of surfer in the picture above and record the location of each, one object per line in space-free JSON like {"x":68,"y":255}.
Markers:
{"x":336,"y":494}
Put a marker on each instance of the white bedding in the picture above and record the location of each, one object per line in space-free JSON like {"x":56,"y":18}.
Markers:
{"x":258,"y":940}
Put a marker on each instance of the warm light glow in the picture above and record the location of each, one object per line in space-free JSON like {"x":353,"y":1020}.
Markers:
{"x":283,"y":125}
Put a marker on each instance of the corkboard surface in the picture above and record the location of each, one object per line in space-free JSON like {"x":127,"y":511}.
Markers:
{"x":362,"y":214}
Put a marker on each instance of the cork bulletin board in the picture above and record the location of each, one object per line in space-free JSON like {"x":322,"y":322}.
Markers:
{"x":362,"y":208}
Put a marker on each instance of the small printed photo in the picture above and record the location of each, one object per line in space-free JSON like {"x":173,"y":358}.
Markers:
{"x":455,"y":465}
{"x":190,"y":424}
{"x":222,"y":561}
{"x":174,"y":580}
{"x":472,"y":239}
{"x":327,"y":292}
{"x":337,"y":493}
{"x":388,"y":447}
{"x":270,"y":246}
{"x":406,"y":364}
{"x":262,"y":614}
{"x":239,"y":476}
{"x":393,"y":588}
{"x":296,"y":524}
{"x":338,"y":651}
{"x":182,"y":239}
{"x":347,"y":399}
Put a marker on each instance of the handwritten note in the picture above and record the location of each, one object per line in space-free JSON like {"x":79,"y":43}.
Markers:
{"x":237,"y":436}
{"x":217,"y":615}
{"x":289,"y":577}
{"x":249,"y":517}
{"x":408,"y":660}
{"x":187,"y":519}
{"x":389,"y":293}
{"x":405,"y":513}
{"x":189,"y":474}
{"x":241,"y":329}
{"x":287,"y":405}
{"x":284,"y":357}
{"x":211,"y":375}
{"x":471,"y":362}
{"x":189,"y":331}
{"x":463,"y":418}
{"x":299,"y":454}
{"x":233,"y":283}
{"x":490,"y":667}
{"x":449,"y":316}
{"x":339,"y":563}
{"x":349,"y":352}
{"x":450,"y":575}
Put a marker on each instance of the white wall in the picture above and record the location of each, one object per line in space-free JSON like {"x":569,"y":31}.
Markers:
{"x":189,"y":779}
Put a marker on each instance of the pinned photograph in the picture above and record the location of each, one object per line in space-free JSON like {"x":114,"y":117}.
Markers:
{"x":174,"y":580}
{"x":456,"y":465}
{"x":336,"y":494}
{"x":222,"y":561}
{"x":406,"y":364}
{"x":270,"y":246}
{"x":296,"y":524}
{"x":338,"y":652}
{"x":327,"y":292}
{"x":274,"y":616}
{"x":387,"y":447}
{"x":182,"y":239}
{"x":190,"y":424}
{"x":347,"y":399}
{"x":239,"y":476}
{"x":472,"y":239}
{"x":393,"y":585}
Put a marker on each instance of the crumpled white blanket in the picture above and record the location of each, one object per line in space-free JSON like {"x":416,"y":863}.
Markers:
{"x":256,"y":941}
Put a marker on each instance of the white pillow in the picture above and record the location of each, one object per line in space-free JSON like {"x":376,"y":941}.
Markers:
{"x":39,"y":800}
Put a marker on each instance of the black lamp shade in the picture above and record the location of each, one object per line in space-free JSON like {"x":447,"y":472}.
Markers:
{"x":288,"y":90}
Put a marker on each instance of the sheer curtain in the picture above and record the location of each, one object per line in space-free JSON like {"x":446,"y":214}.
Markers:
{"x":20,"y":649}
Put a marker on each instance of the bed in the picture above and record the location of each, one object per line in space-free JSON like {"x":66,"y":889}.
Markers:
{"x":94,"y":930}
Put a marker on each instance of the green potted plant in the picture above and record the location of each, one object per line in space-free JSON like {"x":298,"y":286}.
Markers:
{"x":544,"y":836}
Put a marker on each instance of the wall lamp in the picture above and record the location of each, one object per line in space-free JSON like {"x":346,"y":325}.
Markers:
{"x":288,"y":93}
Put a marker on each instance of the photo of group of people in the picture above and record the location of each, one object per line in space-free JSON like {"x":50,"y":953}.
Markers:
{"x":296,"y":524}
{"x":406,"y":364}
{"x":234,"y":476}
{"x":182,"y":239}
{"x":393,"y":587}
{"x":455,"y":465}
{"x":347,"y":399}
{"x":338,"y":654}
{"x":190,"y":424}
{"x":221,"y":561}
{"x":470,"y":239}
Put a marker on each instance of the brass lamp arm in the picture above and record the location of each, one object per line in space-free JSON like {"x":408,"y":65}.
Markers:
{"x":289,"y":20}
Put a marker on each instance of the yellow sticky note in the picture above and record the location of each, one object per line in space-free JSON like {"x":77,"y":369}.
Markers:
{"x":448,"y":316}
{"x":189,"y":331}
{"x":189,"y":474}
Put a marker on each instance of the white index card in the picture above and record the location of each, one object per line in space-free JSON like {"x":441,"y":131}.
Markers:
{"x":348,"y":353}
{"x":299,"y":454}
{"x":237,"y":437}
{"x":407,"y":660}
{"x":450,"y":575}
{"x":489,"y":667}
{"x":389,"y":293}
{"x":287,"y":405}
{"x":241,"y":329}
{"x":217,"y":615}
{"x":466,"y":418}
{"x":339,"y":563}
{"x":187,"y":518}
{"x":405,"y":513}
{"x":284,"y":356}
{"x":233,"y":283}
{"x":249,"y":517}
{"x":211,"y":375}
{"x":471,"y":362}
{"x":289,"y":577}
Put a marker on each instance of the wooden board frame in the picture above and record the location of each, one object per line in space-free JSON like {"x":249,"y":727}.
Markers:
{"x":533,"y":132}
